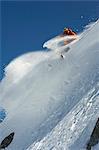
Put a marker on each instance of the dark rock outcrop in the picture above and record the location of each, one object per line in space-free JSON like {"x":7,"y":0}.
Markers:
{"x":7,"y":140}
{"x":94,"y":138}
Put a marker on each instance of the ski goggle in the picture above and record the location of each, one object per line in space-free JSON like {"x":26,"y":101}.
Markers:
{"x":65,"y":29}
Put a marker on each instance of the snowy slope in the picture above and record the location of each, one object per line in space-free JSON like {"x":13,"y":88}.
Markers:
{"x":52,"y":102}
{"x":74,"y":130}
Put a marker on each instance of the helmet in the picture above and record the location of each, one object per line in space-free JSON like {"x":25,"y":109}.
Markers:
{"x":65,"y":29}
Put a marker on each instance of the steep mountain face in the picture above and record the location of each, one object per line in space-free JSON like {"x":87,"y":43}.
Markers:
{"x":50,"y":102}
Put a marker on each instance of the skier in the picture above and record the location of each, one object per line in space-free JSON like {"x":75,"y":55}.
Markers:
{"x":68,"y":31}
{"x":7,"y":140}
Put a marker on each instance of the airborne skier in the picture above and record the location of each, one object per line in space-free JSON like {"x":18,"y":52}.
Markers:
{"x":68,"y":31}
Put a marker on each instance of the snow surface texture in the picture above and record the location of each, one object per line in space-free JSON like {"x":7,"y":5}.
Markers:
{"x":53,"y":103}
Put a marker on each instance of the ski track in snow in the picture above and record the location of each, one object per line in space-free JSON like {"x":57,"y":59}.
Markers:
{"x":53,"y":103}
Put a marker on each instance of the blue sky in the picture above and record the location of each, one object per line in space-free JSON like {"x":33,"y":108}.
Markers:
{"x":27,"y":24}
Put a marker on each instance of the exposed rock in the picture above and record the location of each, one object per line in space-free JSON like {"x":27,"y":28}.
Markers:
{"x":7,"y":140}
{"x":94,"y":138}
